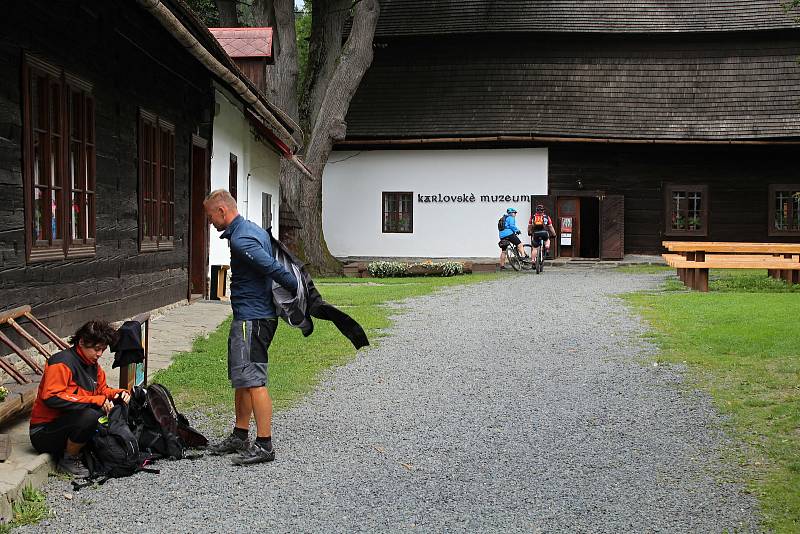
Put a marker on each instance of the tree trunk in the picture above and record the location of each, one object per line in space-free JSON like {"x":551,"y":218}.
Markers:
{"x":281,"y":76}
{"x":329,"y":126}
{"x":334,"y":73}
{"x":228,"y":17}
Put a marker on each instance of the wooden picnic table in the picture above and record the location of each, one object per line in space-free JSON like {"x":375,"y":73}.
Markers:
{"x":692,"y":259}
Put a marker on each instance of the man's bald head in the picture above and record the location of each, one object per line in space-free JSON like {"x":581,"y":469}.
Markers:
{"x":220,"y":207}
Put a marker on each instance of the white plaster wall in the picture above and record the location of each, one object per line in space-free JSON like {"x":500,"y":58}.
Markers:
{"x":354,"y":182}
{"x":232,"y":134}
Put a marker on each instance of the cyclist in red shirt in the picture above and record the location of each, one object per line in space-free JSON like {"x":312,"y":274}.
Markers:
{"x":540,"y":227}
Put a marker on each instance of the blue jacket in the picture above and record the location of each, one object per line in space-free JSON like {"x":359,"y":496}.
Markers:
{"x":511,"y":227}
{"x":253,"y":268}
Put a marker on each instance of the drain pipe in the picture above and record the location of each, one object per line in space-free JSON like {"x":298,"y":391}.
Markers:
{"x":190,"y":42}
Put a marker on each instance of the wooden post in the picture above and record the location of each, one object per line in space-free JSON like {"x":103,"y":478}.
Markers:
{"x":787,"y":274}
{"x":700,"y":277}
{"x":701,"y":280}
{"x":688,"y":275}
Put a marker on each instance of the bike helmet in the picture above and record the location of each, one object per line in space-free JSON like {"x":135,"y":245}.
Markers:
{"x":511,"y":210}
{"x":539,"y":207}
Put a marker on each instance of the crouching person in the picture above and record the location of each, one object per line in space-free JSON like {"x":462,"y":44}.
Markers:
{"x":72,"y":395}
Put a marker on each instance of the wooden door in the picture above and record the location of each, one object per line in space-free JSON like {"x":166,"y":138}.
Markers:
{"x":612,"y":227}
{"x":568,"y":211}
{"x":198,"y":227}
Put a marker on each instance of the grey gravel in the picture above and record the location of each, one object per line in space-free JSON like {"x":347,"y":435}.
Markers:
{"x":529,"y":404}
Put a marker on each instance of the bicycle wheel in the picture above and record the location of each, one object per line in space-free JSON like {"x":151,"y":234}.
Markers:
{"x":512,"y":255}
{"x":527,"y":264}
{"x":540,"y":259}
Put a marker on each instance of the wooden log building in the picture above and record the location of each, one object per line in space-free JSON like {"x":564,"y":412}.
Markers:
{"x":659,"y":119}
{"x":106,"y":122}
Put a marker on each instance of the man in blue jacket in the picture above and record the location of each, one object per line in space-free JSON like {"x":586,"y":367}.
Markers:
{"x":253,"y":269}
{"x":510,"y":232}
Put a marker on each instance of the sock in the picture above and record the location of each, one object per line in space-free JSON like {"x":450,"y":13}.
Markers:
{"x":265,"y":443}
{"x":241,"y":433}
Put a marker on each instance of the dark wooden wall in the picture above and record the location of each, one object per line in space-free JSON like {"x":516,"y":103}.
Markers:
{"x":738,"y":178}
{"x":132,"y":62}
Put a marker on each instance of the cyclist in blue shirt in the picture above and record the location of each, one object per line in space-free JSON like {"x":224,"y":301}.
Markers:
{"x":510,"y":233}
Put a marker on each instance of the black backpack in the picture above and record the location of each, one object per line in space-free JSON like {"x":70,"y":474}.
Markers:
{"x":501,"y":224}
{"x":158,"y":426}
{"x":113,"y":451}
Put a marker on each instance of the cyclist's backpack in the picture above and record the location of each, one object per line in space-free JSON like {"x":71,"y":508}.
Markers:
{"x":113,"y":451}
{"x":538,"y":220}
{"x":158,"y":426}
{"x":501,"y":224}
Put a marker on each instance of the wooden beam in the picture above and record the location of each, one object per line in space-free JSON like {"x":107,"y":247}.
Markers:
{"x":46,"y":331}
{"x":24,"y":357}
{"x":554,"y":139}
{"x":14,"y":313}
{"x":32,"y":340}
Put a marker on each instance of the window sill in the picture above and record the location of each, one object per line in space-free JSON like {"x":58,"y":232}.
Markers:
{"x":42,"y":255}
{"x":691,"y":233}
{"x":155,"y":246}
{"x":783,"y":233}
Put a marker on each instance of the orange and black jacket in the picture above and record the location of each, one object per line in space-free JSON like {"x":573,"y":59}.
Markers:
{"x":69,"y":383}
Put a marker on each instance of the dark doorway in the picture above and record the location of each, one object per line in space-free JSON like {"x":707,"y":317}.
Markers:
{"x":198,"y":227}
{"x":590,"y":227}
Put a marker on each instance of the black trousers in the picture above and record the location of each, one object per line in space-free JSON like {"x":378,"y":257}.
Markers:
{"x":76,"y":425}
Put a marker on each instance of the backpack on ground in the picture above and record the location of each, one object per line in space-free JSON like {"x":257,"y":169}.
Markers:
{"x":501,"y":224}
{"x":158,"y":426}
{"x":114,"y":451}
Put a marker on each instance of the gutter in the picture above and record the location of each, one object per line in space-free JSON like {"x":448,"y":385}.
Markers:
{"x":550,"y":139}
{"x":167,"y":19}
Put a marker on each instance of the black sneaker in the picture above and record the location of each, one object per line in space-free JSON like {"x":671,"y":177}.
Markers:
{"x":73,"y":465}
{"x":229,"y":445}
{"x":255,"y":454}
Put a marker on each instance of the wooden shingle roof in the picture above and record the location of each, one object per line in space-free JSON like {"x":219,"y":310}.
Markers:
{"x":443,"y":17}
{"x":712,"y":87}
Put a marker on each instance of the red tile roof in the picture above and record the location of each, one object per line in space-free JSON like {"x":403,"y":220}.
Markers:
{"x":245,"y":42}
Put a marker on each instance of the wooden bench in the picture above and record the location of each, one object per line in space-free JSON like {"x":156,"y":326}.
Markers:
{"x":693,"y":259}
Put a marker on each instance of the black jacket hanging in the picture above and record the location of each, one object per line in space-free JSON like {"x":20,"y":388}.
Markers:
{"x":297,"y":310}
{"x":128,"y":348}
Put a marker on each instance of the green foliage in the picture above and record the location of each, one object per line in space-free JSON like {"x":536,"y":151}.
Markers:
{"x":741,"y":342}
{"x":645,"y":269}
{"x":206,"y":10}
{"x":384,"y":269}
{"x":30,"y":510}
{"x":302,"y":28}
{"x":31,"y":494}
{"x":790,"y":6}
{"x":198,"y":379}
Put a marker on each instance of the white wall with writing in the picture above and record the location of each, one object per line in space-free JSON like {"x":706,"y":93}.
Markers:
{"x":353,"y":184}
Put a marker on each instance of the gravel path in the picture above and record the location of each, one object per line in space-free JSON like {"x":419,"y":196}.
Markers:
{"x":455,"y":424}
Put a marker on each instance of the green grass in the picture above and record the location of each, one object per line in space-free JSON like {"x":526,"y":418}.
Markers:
{"x":198,"y":379}
{"x":644,"y":269}
{"x":29,"y":510}
{"x":742,"y":343}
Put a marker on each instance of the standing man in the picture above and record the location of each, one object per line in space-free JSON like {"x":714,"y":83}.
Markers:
{"x":253,"y":269}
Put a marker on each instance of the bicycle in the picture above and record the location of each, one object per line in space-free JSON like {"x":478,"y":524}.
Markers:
{"x":516,"y":261}
{"x":539,"y":237}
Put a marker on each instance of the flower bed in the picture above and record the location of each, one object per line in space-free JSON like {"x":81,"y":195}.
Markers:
{"x":388,"y":269}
